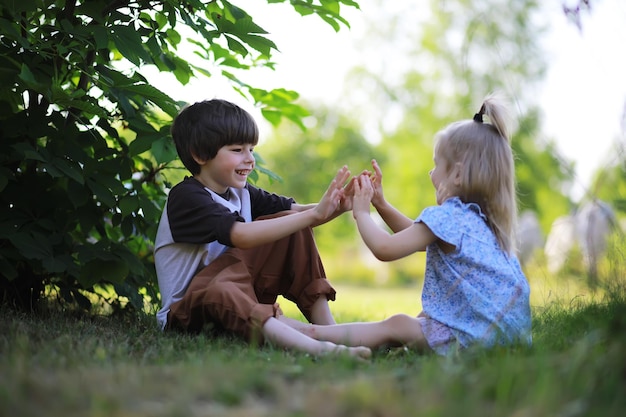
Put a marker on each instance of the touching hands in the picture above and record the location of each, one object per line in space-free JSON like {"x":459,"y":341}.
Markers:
{"x":377,"y":183}
{"x":334,"y":197}
{"x":363,"y":193}
{"x":376,"y":179}
{"x":340,"y":198}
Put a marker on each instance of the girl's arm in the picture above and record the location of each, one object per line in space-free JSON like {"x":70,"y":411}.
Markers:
{"x":386,"y":247}
{"x":390,"y":215}
{"x":252,"y":234}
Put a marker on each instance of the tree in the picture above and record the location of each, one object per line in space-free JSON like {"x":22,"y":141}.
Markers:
{"x":307,"y":161}
{"x":84,"y":137}
{"x":452,"y":55}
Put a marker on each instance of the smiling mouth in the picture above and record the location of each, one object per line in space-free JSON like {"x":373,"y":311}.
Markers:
{"x":242,"y":171}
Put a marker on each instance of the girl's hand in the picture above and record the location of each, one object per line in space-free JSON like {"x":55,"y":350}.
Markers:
{"x":348,"y":191}
{"x":333,"y":196}
{"x":363,"y":193}
{"x":377,"y":183}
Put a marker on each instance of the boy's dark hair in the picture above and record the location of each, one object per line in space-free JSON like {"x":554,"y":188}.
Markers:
{"x":202,"y":128}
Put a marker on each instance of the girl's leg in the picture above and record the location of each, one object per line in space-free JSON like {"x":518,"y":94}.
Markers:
{"x":397,"y":330}
{"x":281,"y":334}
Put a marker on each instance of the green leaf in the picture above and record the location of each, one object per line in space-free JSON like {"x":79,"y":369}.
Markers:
{"x":29,"y":79}
{"x":127,"y":226}
{"x":5,"y":174}
{"x":32,"y":246}
{"x":128,"y":204}
{"x":173,"y":37}
{"x":54,"y":265}
{"x":141,"y":144}
{"x":102,"y":270}
{"x":236,"y":46}
{"x":28,"y":152}
{"x":102,"y":193}
{"x":69,"y":168}
{"x":129,"y":44}
{"x":156,"y":96}
{"x":7,"y":270}
{"x":149,"y":207}
{"x":164,"y":150}
{"x":259,"y":43}
{"x":77,"y":194}
{"x":272,"y":116}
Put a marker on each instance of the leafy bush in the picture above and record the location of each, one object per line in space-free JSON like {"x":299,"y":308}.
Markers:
{"x":84,"y":137}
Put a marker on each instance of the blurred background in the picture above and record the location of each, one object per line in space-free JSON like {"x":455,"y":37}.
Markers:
{"x":403,"y":70}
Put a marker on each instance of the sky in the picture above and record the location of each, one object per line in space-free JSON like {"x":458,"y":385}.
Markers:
{"x":582,"y":99}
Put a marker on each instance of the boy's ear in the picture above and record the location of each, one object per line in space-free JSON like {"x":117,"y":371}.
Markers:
{"x":198,"y":160}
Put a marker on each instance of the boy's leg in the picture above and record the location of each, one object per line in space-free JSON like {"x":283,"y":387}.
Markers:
{"x":222,"y":294}
{"x":292,"y":267}
{"x":238,"y":290}
{"x":287,"y":337}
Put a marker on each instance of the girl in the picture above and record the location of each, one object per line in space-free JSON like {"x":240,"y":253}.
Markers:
{"x":475,"y":292}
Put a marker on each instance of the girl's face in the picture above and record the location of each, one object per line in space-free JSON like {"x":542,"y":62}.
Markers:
{"x":444,"y":179}
{"x":230,"y":168}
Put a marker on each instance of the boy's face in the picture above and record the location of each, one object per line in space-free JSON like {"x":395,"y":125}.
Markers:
{"x":230,"y":167}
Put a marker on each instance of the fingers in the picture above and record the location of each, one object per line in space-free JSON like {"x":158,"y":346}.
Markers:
{"x":363,"y":186}
{"x":342,"y":176}
{"x":378,"y":172}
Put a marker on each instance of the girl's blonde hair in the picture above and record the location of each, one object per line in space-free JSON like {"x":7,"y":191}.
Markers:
{"x":483,"y":151}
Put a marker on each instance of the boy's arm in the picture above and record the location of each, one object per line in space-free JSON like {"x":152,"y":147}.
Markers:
{"x":304,"y":207}
{"x":249,"y":235}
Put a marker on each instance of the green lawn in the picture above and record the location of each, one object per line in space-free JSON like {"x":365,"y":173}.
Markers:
{"x":64,"y":365}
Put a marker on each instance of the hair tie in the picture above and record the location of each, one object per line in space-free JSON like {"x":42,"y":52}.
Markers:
{"x":478,"y":117}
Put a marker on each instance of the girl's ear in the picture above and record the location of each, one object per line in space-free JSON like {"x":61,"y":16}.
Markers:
{"x":456,"y":174}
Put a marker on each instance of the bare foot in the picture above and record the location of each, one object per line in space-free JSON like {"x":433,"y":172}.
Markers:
{"x":358,"y":352}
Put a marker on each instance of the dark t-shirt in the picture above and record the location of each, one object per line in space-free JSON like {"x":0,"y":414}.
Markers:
{"x":195,"y":229}
{"x":196,"y":217}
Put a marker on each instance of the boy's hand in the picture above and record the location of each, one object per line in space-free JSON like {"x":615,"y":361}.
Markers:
{"x":334,"y":195}
{"x":348,"y":191}
{"x":363,"y":193}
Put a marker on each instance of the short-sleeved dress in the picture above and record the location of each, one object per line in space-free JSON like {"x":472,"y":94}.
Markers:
{"x":477,"y":291}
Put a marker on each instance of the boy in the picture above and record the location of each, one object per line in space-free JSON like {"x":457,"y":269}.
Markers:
{"x":225,"y":249}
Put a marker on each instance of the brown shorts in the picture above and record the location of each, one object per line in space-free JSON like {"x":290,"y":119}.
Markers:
{"x":237,"y":292}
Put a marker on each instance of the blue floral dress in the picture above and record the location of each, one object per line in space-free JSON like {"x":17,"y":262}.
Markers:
{"x":478,"y":291}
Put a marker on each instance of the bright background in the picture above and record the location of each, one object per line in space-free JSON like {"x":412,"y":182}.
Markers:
{"x":583,"y":97}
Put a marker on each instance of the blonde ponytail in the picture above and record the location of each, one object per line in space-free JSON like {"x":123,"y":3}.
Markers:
{"x":483,"y":150}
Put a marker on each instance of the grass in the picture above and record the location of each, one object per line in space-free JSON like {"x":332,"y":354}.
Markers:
{"x":59,"y":364}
